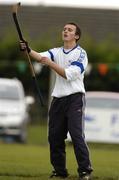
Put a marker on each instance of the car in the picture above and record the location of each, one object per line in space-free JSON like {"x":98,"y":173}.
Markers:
{"x":14,"y":115}
{"x":101,"y":117}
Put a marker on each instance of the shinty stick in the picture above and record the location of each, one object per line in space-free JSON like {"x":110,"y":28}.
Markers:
{"x":14,"y":14}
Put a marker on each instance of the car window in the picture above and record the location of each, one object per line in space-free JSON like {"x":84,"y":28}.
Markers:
{"x":9,"y":92}
{"x":102,"y":103}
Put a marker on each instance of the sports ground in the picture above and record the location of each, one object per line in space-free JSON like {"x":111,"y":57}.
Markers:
{"x":31,"y":160}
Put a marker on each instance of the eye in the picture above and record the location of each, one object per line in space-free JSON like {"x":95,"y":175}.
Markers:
{"x":64,"y":29}
{"x":70,"y":30}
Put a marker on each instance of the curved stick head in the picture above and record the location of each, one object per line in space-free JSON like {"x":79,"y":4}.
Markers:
{"x":15,"y":7}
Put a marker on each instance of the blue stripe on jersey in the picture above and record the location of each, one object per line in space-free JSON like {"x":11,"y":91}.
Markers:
{"x":51,"y":54}
{"x":79,"y":65}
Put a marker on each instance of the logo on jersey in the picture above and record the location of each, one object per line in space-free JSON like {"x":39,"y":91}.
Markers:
{"x":81,"y":57}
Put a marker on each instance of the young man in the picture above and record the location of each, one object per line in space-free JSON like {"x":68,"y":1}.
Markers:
{"x":67,"y":108}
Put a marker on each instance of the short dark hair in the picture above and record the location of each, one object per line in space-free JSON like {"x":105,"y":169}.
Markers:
{"x":78,"y":30}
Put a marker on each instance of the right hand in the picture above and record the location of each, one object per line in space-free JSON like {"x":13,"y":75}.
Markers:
{"x":24,"y":46}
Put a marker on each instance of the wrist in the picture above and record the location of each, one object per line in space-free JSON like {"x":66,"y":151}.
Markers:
{"x":50,"y":63}
{"x":28,"y":49}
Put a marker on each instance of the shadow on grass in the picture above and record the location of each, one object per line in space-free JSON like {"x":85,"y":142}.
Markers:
{"x":19,"y":175}
{"x":46,"y":177}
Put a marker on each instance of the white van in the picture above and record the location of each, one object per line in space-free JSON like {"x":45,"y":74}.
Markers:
{"x":101,"y":117}
{"x":14,"y":115}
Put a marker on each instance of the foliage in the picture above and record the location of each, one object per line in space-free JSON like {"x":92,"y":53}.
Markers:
{"x":106,"y":51}
{"x":102,"y":53}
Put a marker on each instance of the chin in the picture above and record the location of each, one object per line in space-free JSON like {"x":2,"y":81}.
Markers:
{"x":65,"y":39}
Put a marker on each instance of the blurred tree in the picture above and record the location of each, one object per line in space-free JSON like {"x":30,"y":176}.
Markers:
{"x":106,"y":51}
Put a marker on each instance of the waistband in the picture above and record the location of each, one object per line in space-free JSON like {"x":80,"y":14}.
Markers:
{"x":75,"y":94}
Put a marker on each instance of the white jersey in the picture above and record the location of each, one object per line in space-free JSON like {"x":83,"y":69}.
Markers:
{"x":74,"y":61}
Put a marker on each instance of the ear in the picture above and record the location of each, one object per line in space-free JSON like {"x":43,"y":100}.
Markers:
{"x":76,"y":36}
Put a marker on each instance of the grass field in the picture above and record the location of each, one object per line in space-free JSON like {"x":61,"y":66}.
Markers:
{"x":31,"y":161}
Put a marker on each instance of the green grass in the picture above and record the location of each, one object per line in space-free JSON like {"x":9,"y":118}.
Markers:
{"x":31,"y":161}
{"x":37,"y":134}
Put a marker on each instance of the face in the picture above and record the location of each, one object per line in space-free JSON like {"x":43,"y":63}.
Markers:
{"x":69,"y":33}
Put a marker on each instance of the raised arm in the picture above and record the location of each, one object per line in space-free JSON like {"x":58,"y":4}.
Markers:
{"x":43,"y":60}
{"x":35,"y":55}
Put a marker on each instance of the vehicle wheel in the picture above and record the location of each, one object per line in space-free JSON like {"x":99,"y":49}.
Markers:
{"x":22,"y":137}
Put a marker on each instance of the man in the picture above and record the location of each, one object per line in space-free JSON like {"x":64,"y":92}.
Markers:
{"x":67,"y":108}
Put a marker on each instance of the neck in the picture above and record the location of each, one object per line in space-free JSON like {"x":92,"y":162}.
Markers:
{"x":69,"y":45}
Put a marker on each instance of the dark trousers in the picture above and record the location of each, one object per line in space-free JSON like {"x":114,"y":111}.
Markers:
{"x":66,"y":114}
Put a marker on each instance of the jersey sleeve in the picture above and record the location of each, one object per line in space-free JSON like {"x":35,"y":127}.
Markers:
{"x":77,"y":68}
{"x":50,"y":53}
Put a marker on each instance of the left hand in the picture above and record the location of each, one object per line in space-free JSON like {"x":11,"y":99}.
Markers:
{"x":45,"y":61}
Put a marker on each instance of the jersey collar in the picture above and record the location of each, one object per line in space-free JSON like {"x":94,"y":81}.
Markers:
{"x":69,"y":50}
